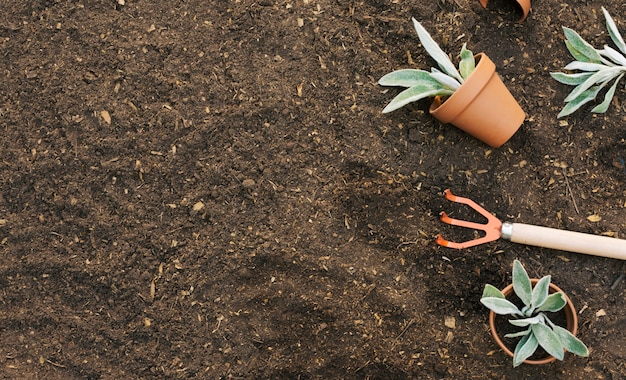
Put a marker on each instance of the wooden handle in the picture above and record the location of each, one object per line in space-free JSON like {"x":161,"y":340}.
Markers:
{"x":565,"y":240}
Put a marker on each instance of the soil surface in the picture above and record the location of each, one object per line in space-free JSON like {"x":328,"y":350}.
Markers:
{"x":208,"y":190}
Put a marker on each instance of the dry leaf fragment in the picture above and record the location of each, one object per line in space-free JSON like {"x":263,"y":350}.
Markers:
{"x":450,"y":322}
{"x":198,"y":206}
{"x":600,"y":313}
{"x":105,"y":115}
{"x":594,"y":218}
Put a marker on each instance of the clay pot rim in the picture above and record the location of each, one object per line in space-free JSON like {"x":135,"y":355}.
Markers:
{"x":468,"y":91}
{"x":570,"y":315}
{"x":524,"y":5}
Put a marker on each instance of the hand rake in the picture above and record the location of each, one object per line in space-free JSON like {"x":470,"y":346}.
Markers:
{"x":531,"y":235}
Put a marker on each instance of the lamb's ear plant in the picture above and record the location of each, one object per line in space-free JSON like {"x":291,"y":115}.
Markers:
{"x":596,"y":69}
{"x":421,"y":84}
{"x":540,"y":331}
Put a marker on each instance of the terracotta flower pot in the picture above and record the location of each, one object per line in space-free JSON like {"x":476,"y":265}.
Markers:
{"x":524,"y":5}
{"x":570,"y":316}
{"x":482,"y":106}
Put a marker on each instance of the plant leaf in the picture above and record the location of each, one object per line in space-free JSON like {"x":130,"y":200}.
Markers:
{"x":554,"y":302}
{"x":446,"y":80}
{"x":492,"y":291}
{"x":578,"y":44}
{"x":500,"y":306}
{"x":406,"y":78}
{"x":613,"y":55}
{"x":571,"y":79}
{"x":414,"y":94}
{"x":548,"y":340}
{"x":601,"y":76}
{"x":518,"y":334}
{"x":602,"y":107}
{"x":525,"y":347}
{"x":582,"y":99}
{"x":526,"y":321}
{"x":467,"y":63}
{"x":614,"y":32}
{"x":585,"y":66}
{"x":435,"y":51}
{"x":540,"y":292}
{"x":521,"y":283}
{"x":570,"y":342}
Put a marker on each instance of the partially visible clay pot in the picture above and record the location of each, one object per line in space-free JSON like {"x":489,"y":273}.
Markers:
{"x":482,"y":106}
{"x":524,"y":5}
{"x":570,"y":316}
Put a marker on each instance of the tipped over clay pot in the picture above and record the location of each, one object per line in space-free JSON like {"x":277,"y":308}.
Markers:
{"x":482,"y":106}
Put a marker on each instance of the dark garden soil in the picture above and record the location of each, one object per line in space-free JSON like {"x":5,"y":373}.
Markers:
{"x":207,"y":189}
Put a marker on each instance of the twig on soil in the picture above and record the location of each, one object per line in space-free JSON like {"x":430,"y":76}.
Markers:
{"x":617,"y":281}
{"x":569,"y":189}
{"x":409,"y":324}
{"x":363,"y":366}
{"x":371,"y":289}
{"x":55,"y":364}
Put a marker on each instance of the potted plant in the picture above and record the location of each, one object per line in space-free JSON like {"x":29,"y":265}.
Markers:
{"x":523,"y":4}
{"x":597,"y":68}
{"x":539,"y":297}
{"x":473,"y":98}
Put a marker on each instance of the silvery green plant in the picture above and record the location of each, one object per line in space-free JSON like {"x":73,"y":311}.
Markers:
{"x":422,"y":84}
{"x":597,"y":68}
{"x":540,"y":331}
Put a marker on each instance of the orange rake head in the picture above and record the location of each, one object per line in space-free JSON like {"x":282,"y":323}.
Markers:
{"x":492,"y":229}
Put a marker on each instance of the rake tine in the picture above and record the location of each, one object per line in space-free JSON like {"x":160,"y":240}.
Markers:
{"x":492,"y":228}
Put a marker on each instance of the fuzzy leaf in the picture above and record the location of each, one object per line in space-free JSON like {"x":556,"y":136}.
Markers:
{"x":575,"y":53}
{"x":570,"y":342}
{"x":571,"y":79}
{"x":406,"y":78}
{"x":540,"y":292}
{"x":467,"y":64}
{"x":526,"y":321}
{"x":518,"y":334}
{"x":582,"y":99}
{"x":500,"y":306}
{"x":445,"y":80}
{"x":414,"y":94}
{"x":548,"y":340}
{"x":585,"y":66}
{"x":435,"y":51}
{"x":602,"y":107}
{"x":577,"y":43}
{"x":613,"y":55}
{"x":614,"y":32}
{"x":521,"y":283}
{"x":492,"y":291}
{"x":554,"y":302}
{"x":602,"y":76}
{"x":525,"y":347}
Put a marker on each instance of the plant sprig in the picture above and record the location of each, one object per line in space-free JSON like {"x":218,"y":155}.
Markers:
{"x":597,"y":68}
{"x":422,"y":84}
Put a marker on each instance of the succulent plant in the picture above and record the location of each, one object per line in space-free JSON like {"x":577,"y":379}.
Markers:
{"x":540,"y":331}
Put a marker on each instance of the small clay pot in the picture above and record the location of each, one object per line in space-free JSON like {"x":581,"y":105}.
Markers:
{"x":524,"y":5}
{"x":482,"y":106}
{"x":570,"y":316}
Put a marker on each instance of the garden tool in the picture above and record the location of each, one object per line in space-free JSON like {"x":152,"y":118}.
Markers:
{"x":531,"y":235}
